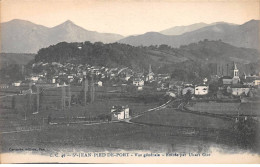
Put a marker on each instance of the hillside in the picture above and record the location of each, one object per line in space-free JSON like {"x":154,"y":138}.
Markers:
{"x":245,"y":35}
{"x":20,"y":36}
{"x":112,"y":55}
{"x":115,"y":54}
{"x":7,"y":59}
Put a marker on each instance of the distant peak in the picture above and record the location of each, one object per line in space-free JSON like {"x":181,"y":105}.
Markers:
{"x":253,"y":20}
{"x":68,"y":22}
{"x":18,"y":21}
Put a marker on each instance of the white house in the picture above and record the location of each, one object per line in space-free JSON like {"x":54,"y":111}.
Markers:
{"x":17,"y":83}
{"x":120,"y":112}
{"x":138,"y":82}
{"x":99,"y":83}
{"x":239,"y":90}
{"x":201,"y":90}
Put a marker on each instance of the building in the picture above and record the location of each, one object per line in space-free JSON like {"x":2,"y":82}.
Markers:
{"x":17,"y":83}
{"x":235,"y":79}
{"x":150,"y":75}
{"x":238,"y":90}
{"x":227,"y":80}
{"x":251,"y":80}
{"x":120,"y":112}
{"x":99,"y":83}
{"x":201,"y":90}
{"x":138,"y":82}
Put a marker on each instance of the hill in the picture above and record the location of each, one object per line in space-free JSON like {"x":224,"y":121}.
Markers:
{"x":7,"y":59}
{"x":245,"y":35}
{"x":116,"y":54}
{"x":20,"y":36}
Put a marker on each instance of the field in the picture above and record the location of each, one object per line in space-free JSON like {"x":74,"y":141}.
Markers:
{"x":114,"y":136}
{"x":226,"y":108}
{"x":164,"y":130}
{"x":170,"y":117}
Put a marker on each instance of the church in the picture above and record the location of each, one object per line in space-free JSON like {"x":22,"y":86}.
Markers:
{"x":232,"y":80}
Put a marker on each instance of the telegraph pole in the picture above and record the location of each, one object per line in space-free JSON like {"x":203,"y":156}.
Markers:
{"x":63,"y":93}
{"x":92,"y":90}
{"x":227,"y":69}
{"x":69,"y":94}
{"x":85,"y":91}
{"x":37,"y":100}
{"x":222,"y":70}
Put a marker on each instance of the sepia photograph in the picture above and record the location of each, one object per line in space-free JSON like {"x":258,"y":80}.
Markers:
{"x":130,"y":81}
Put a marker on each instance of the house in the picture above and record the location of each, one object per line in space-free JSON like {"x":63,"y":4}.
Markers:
{"x":138,"y":82}
{"x":17,"y":83}
{"x":120,"y":112}
{"x":99,"y":83}
{"x":34,"y":78}
{"x":238,"y":90}
{"x":251,"y":80}
{"x":201,"y":90}
{"x":53,"y":80}
{"x":163,"y":77}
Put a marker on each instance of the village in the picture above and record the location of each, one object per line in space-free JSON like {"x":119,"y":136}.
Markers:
{"x":93,"y":79}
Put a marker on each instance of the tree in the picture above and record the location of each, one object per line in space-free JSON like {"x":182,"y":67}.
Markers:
{"x":187,"y":96}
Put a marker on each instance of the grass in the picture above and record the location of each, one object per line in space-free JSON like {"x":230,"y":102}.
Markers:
{"x":226,"y":108}
{"x":106,"y":137}
{"x":171,"y":117}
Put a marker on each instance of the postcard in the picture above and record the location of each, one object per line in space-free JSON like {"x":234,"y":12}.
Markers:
{"x":108,"y":81}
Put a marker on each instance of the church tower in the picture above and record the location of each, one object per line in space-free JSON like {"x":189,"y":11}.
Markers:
{"x":235,"y":71}
{"x":235,"y":79}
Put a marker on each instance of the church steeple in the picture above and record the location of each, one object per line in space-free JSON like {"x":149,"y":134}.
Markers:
{"x":235,"y":71}
{"x":150,"y":69}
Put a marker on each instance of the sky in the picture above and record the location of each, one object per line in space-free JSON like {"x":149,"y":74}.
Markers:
{"x":128,"y":17}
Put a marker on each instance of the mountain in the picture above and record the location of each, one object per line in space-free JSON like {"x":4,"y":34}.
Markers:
{"x":178,"y":30}
{"x":20,"y":36}
{"x":245,"y":35}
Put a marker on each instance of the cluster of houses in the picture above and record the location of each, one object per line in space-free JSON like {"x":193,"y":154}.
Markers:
{"x":56,"y":74}
{"x":63,"y":74}
{"x":233,"y":85}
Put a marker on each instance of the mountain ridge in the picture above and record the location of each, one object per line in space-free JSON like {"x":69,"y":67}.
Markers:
{"x":22,"y":36}
{"x":245,"y":35}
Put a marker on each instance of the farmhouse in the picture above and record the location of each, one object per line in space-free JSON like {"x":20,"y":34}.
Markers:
{"x":120,"y":112}
{"x":138,"y":82}
{"x":201,"y":90}
{"x":251,"y":80}
{"x":17,"y":83}
{"x":99,"y":83}
{"x":238,"y":90}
